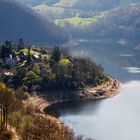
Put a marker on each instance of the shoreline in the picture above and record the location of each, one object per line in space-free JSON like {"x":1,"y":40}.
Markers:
{"x":107,"y":90}
{"x":104,"y":91}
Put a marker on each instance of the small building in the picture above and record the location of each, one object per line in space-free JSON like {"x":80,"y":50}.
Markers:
{"x":12,"y":60}
{"x":8,"y":77}
{"x":9,"y":61}
{"x":22,"y":56}
{"x":37,"y":56}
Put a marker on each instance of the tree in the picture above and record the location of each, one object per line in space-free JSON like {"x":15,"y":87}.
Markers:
{"x":27,"y":125}
{"x":7,"y":101}
{"x":6,"y":49}
{"x":2,"y":91}
{"x":21,"y":44}
{"x":31,"y":80}
{"x":36,"y":68}
{"x":31,"y":77}
{"x":18,"y":77}
{"x":56,"y":54}
{"x":29,"y":56}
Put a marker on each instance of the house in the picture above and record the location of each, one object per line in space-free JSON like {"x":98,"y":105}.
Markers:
{"x":8,"y":77}
{"x":9,"y":61}
{"x":12,"y":60}
{"x":36,"y":56}
{"x":44,"y":52}
{"x":22,"y":56}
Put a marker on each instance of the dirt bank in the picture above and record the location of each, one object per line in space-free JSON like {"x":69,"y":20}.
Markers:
{"x":106,"y":90}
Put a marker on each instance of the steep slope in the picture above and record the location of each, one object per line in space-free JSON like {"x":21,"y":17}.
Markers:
{"x":19,"y":21}
{"x":60,"y":9}
{"x":121,"y":22}
{"x":101,"y":5}
{"x":118,"y":19}
{"x":38,"y":2}
{"x":87,"y":5}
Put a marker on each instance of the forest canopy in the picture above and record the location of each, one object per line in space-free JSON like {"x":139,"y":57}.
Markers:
{"x":44,"y":68}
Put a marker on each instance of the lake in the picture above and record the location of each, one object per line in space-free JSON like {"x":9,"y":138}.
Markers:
{"x":117,"y":118}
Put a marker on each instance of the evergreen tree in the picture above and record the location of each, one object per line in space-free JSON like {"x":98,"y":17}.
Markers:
{"x":29,"y":57}
{"x":21,"y":44}
{"x":56,"y":54}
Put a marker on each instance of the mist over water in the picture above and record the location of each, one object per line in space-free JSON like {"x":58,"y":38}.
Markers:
{"x":117,"y":118}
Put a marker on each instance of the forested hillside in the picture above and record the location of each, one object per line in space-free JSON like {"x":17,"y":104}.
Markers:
{"x":67,"y":8}
{"x":43,"y":69}
{"x":122,"y":22}
{"x":27,"y":24}
{"x":82,"y":4}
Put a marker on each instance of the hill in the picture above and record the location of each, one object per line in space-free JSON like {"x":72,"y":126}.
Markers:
{"x":27,"y":24}
{"x":116,"y":19}
{"x":101,"y":5}
{"x":82,"y":4}
{"x":37,"y":2}
{"x":48,"y":67}
{"x":60,"y":9}
{"x":123,"y":22}
{"x":36,"y":78}
{"x":119,"y":23}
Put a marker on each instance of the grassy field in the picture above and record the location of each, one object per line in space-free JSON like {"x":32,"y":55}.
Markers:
{"x":63,"y":16}
{"x":78,"y":21}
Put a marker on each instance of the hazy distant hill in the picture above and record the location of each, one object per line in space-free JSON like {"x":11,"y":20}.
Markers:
{"x":121,"y":22}
{"x":101,"y":5}
{"x":59,"y":9}
{"x":19,"y":21}
{"x":37,"y":2}
{"x":94,"y":5}
{"x":89,"y":18}
{"x":83,"y":4}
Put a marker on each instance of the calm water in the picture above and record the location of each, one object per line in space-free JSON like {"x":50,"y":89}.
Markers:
{"x":112,"y":119}
{"x":117,"y":118}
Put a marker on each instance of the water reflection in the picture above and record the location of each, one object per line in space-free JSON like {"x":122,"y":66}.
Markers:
{"x":133,"y":69}
{"x":117,"y":118}
{"x":68,"y":108}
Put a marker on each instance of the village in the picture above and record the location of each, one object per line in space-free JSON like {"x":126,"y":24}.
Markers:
{"x":18,"y":55}
{"x":13,"y":55}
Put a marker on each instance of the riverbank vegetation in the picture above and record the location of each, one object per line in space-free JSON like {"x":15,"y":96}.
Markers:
{"x":20,"y":121}
{"x":26,"y":69}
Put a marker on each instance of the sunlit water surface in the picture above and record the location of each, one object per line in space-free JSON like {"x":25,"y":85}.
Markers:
{"x":117,"y":118}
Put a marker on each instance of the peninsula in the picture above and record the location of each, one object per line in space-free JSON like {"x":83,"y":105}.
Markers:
{"x":38,"y":77}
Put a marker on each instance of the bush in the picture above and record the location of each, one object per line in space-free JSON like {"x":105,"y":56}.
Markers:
{"x":21,"y":95}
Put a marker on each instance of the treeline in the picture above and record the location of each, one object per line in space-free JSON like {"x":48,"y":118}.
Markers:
{"x":57,"y":69}
{"x":42,"y":69}
{"x":116,"y":24}
{"x":78,"y":74}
